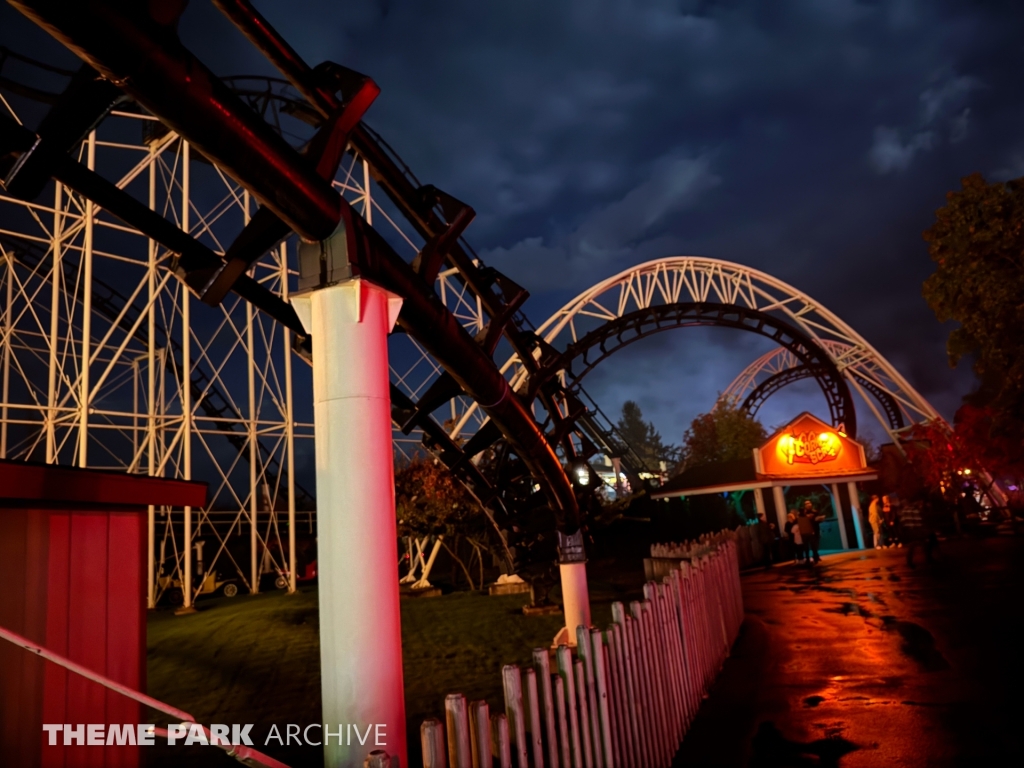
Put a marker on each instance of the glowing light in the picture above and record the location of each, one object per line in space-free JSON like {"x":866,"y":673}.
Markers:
{"x":809,"y":448}
{"x":583,"y":476}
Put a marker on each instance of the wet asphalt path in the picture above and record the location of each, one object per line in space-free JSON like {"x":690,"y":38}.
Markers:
{"x":862,"y":661}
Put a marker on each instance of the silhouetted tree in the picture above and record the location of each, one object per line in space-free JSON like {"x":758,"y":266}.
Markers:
{"x":643,"y":438}
{"x":431,"y":501}
{"x":977,"y":242}
{"x":725,"y":434}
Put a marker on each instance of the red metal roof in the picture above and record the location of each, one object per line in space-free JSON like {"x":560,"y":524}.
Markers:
{"x":53,"y":484}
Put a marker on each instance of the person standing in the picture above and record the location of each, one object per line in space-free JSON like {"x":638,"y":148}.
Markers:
{"x":875,"y":519}
{"x":890,"y":521}
{"x":914,"y":532}
{"x":814,"y":520}
{"x":806,"y":525}
{"x":766,"y":535}
{"x":795,"y":538}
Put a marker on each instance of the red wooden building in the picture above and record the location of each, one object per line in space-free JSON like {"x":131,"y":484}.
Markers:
{"x":73,"y":560}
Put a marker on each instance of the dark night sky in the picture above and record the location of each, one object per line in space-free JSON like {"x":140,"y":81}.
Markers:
{"x":812,"y":139}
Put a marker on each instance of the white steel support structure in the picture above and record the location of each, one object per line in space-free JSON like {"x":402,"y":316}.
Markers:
{"x":186,"y":391}
{"x":174,"y":388}
{"x":360,"y":620}
{"x":85,"y":345}
{"x":151,"y":413}
{"x":289,"y":429}
{"x":106,"y":362}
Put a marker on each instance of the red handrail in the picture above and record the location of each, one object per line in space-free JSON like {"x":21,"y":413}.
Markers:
{"x":241,"y":753}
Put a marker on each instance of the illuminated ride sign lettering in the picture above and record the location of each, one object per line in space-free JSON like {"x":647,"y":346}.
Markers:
{"x":810,"y":447}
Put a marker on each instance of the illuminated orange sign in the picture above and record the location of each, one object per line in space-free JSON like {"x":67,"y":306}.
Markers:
{"x":809,"y":447}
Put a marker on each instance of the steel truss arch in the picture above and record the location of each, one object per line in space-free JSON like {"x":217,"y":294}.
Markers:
{"x":582,"y":356}
{"x":778,"y":368}
{"x":700,"y":281}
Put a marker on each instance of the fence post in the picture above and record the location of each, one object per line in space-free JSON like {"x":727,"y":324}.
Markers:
{"x":659,"y":645}
{"x":671,"y":659}
{"x":514,"y":712}
{"x":685,"y":648}
{"x":645,"y":713}
{"x":542,"y":663}
{"x":480,"y":730}
{"x":625,"y":713}
{"x":378,"y":758}
{"x":563,"y":728}
{"x":670,"y":607}
{"x":432,"y":743}
{"x":647,"y":676}
{"x":499,"y":737}
{"x":581,"y":702}
{"x":564,"y":656}
{"x":458,"y":731}
{"x":655,"y":647}
{"x":586,"y":655}
{"x":614,"y":702}
{"x":603,"y":714}
{"x":533,"y":714}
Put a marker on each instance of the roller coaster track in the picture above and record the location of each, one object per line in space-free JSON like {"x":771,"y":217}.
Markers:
{"x":437,"y":218}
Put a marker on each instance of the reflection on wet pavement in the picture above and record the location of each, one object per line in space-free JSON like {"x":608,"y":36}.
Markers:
{"x":864,"y":662}
{"x":773,"y":750}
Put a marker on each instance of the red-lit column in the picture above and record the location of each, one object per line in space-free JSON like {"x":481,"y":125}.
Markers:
{"x":360,"y":628}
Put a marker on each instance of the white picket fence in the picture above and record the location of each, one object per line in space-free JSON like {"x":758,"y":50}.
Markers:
{"x":628,"y":694}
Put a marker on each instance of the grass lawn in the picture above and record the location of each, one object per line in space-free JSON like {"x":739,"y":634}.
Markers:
{"x":256,"y":659}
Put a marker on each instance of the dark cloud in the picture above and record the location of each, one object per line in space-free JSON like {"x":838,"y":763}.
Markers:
{"x":812,"y":139}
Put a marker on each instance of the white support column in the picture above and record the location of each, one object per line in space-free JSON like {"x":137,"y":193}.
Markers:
{"x":186,"y":388}
{"x":780,"y":507}
{"x":57,"y":249}
{"x":254,"y":452}
{"x":837,"y":504}
{"x":367,"y":199}
{"x":360,"y":621}
{"x":151,"y":459}
{"x":423,"y":581}
{"x":289,"y":428}
{"x":858,"y":524}
{"x":575,"y":601}
{"x":83,"y":376}
{"x":759,"y":503}
{"x":8,"y":341}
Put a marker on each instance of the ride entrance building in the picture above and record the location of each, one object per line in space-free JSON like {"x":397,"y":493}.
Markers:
{"x":805,"y":452}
